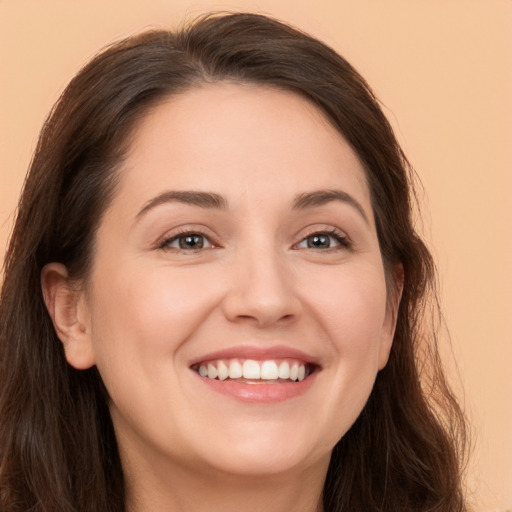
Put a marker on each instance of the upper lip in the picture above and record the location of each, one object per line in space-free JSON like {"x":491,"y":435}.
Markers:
{"x":258,"y":353}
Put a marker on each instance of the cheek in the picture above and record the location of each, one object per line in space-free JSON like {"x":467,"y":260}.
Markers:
{"x":146,"y":318}
{"x":352,"y":315}
{"x":352,"y":309}
{"x":139,"y":327}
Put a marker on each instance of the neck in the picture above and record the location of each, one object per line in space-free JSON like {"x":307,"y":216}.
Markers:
{"x":183,"y":489}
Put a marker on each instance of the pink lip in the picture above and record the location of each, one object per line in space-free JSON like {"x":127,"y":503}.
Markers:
{"x":257,"y":353}
{"x":260,"y":392}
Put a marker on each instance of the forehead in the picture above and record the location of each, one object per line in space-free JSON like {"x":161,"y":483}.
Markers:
{"x":239,"y":138}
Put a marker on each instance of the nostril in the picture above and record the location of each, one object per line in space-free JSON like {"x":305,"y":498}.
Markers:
{"x":262,"y":314}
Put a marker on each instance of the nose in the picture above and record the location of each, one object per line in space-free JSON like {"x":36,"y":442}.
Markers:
{"x":262,"y":290}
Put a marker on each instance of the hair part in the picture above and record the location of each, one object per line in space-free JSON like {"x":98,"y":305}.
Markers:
{"x":57,"y":445}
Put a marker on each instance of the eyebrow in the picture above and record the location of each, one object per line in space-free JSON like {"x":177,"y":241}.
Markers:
{"x":211,"y":200}
{"x":322,"y":197}
{"x":208,"y":200}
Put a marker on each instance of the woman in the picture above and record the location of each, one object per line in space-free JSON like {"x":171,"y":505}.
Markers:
{"x":214,"y":295}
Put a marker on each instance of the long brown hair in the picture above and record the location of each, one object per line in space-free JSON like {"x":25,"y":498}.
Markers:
{"x":58,"y":451}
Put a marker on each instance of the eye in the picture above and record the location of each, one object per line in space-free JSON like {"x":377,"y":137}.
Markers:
{"x":324,"y":240}
{"x":187,"y":242}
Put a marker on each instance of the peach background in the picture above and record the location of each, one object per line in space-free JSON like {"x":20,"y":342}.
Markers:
{"x":442,"y":69}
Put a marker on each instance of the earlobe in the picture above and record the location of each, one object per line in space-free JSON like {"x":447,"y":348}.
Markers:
{"x":392,"y":307}
{"x":65,"y":305}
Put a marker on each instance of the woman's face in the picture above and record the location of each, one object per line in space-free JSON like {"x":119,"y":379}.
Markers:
{"x":241,"y":240}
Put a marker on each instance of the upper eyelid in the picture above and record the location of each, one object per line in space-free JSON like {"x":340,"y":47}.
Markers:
{"x":322,"y":229}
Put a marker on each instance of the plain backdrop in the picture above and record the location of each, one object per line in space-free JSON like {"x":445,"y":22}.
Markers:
{"x":443,"y":71}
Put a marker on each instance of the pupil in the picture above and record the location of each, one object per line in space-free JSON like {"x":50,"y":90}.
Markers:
{"x":191,"y":242}
{"x":321,"y":241}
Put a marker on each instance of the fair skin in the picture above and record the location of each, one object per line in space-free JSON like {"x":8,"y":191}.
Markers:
{"x":277,"y":268}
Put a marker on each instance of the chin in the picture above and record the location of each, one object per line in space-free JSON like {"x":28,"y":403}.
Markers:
{"x":266,"y":452}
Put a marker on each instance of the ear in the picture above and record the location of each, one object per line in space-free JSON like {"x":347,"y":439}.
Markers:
{"x":393,"y":303}
{"x":68,"y":311}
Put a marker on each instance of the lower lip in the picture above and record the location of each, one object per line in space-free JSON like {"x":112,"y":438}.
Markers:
{"x":260,"y":393}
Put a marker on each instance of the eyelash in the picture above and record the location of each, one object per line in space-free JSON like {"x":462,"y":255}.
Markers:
{"x":342,"y":241}
{"x":165,"y":243}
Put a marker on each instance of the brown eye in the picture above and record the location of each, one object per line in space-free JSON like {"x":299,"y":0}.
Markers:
{"x":319,"y":241}
{"x":191,"y":242}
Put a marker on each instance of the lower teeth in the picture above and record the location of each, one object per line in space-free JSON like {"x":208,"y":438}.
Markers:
{"x":259,"y":381}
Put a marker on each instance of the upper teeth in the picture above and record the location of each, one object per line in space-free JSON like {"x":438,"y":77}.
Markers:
{"x":253,"y":370}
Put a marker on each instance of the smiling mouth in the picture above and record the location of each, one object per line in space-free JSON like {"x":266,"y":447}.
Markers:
{"x":251,"y":371}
